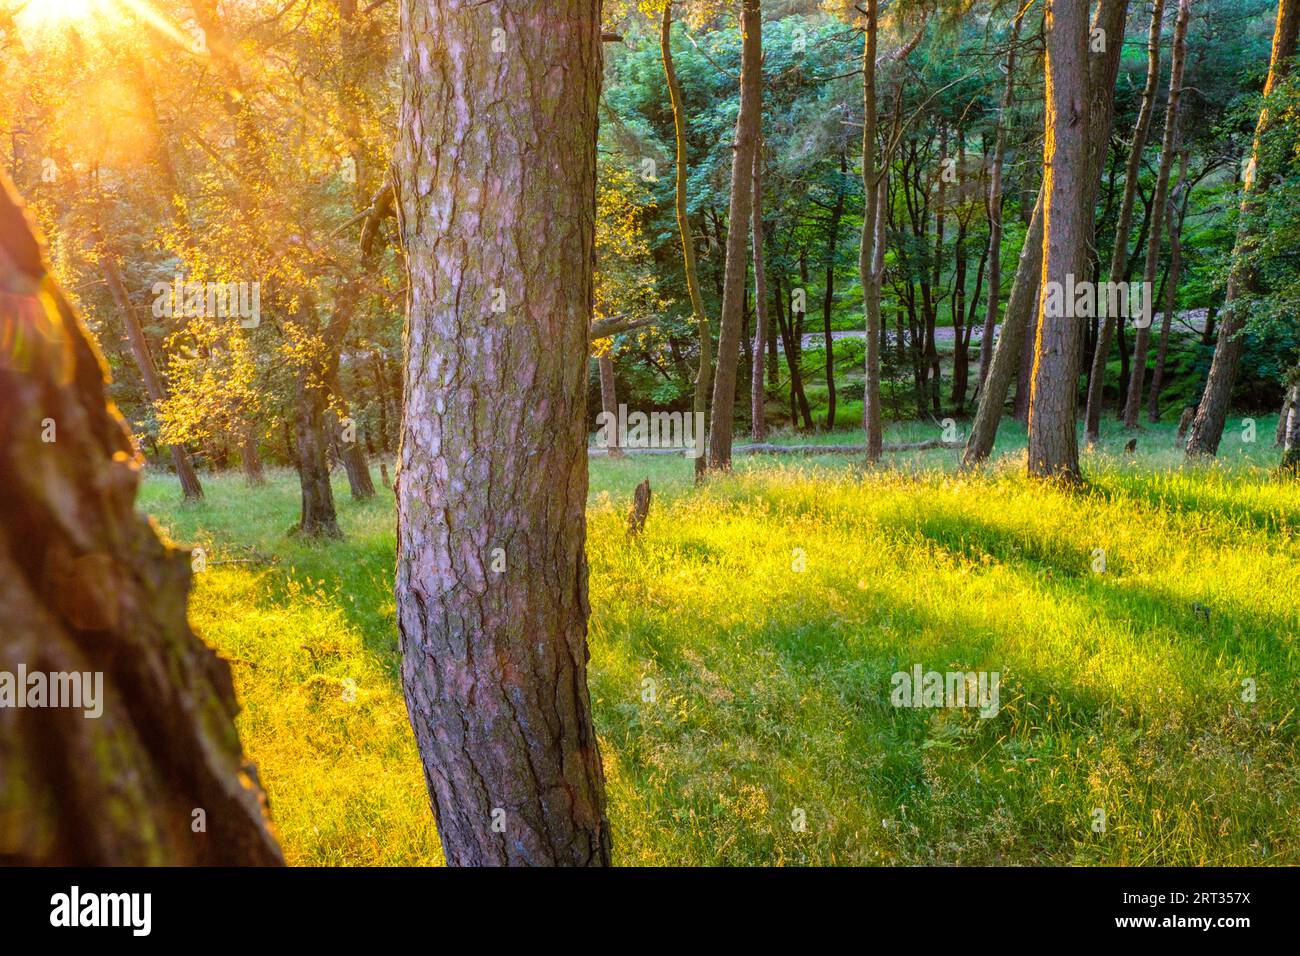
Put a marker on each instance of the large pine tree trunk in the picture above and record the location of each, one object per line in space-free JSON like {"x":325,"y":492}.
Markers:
{"x":1168,"y":147}
{"x":1119,"y":253}
{"x":737,"y":269}
{"x":86,"y":586}
{"x":704,"y":374}
{"x":497,"y":168}
{"x":1212,"y":413}
{"x":1022,"y":305}
{"x":1067,"y":226}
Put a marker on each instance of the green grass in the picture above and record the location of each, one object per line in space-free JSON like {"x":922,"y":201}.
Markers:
{"x":1120,"y":690}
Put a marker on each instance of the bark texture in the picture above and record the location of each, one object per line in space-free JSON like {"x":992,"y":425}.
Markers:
{"x":496,"y":164}
{"x":87,"y":586}
{"x":1067,"y":226}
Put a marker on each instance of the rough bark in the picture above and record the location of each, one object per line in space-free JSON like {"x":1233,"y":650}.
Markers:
{"x":1067,"y":225}
{"x":251,"y":461}
{"x":1119,"y":253}
{"x":737,"y":268}
{"x":496,"y":162}
{"x":86,"y":586}
{"x":1168,"y":148}
{"x":704,"y":374}
{"x":1212,"y":412}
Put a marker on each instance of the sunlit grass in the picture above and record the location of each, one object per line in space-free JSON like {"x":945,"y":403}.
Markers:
{"x":1121,"y":690}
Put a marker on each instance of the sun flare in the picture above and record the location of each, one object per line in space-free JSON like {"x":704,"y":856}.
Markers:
{"x":45,"y":13}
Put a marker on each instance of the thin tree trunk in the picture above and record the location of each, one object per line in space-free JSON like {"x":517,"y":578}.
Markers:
{"x":1119,"y":253}
{"x":872,"y":237}
{"x":704,"y":375}
{"x":1212,"y":413}
{"x":1175,"y":225}
{"x":995,"y":204}
{"x":191,"y":488}
{"x":828,"y":300}
{"x":1021,"y":306}
{"x":757,"y":385}
{"x":1168,"y":147}
{"x":742,"y":191}
{"x":609,"y":400}
{"x":1290,"y":464}
{"x":93,"y":591}
{"x":491,"y":588}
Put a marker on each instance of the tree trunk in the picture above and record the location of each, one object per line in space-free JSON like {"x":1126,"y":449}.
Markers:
{"x":1067,"y":213}
{"x":798,"y":398}
{"x":609,"y":399}
{"x":704,"y":375}
{"x":1168,"y":147}
{"x":318,"y":518}
{"x":995,"y":205}
{"x":757,"y":390}
{"x":828,"y":300}
{"x":872,"y":238}
{"x":1175,"y":225}
{"x":496,"y":161}
{"x":191,"y":488}
{"x":1212,"y":413}
{"x":742,"y":191}
{"x":92,"y":590}
{"x":1021,"y":306}
{"x":1119,"y":253}
{"x":1290,"y":465}
{"x":251,"y":460}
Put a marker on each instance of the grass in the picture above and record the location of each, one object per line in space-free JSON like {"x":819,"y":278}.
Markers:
{"x":1120,"y":690}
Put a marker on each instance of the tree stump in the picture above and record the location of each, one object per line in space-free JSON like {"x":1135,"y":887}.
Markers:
{"x":640,"y":508}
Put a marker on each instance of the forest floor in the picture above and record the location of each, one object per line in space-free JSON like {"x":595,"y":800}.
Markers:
{"x":737,"y":697}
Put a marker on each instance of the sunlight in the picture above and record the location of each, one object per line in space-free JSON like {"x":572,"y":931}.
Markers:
{"x":49,"y":13}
